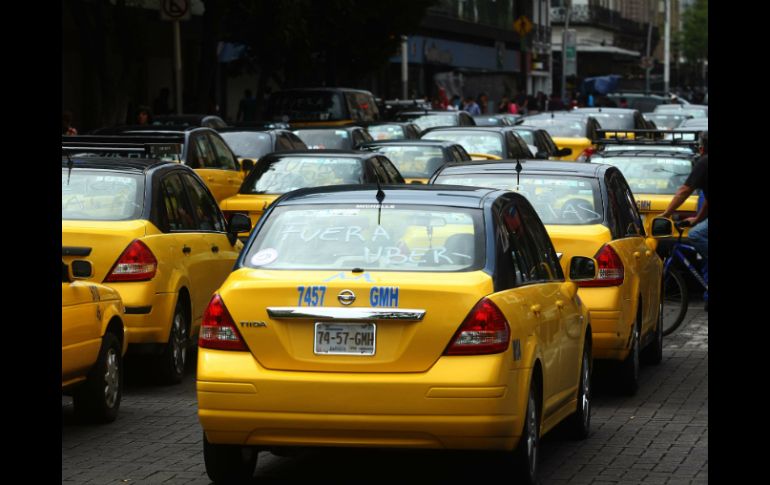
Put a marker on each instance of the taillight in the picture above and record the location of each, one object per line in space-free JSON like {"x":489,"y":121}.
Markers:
{"x":610,"y":269}
{"x":229,"y":214}
{"x":218,"y":330}
{"x":137,"y":263}
{"x":484,"y":331}
{"x":586,"y":154}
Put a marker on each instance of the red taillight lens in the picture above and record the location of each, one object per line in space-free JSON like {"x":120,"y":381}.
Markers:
{"x":611,"y":270}
{"x":218,"y":330}
{"x":484,"y":331}
{"x":586,"y":154}
{"x":137,"y":263}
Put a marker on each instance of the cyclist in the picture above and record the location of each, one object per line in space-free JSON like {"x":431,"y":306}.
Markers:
{"x":698,"y":179}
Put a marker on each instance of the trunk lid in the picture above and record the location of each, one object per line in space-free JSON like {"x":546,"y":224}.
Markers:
{"x":106,"y":241}
{"x":574,"y":240}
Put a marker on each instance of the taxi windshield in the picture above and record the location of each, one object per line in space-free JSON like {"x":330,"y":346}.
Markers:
{"x":473,"y":142}
{"x":248,"y":144}
{"x":560,"y":127}
{"x":325,"y":139}
{"x":342,"y":237}
{"x":653,"y":175}
{"x":287,"y":173}
{"x":558,"y":199}
{"x":101,"y":196}
{"x":414,"y":161}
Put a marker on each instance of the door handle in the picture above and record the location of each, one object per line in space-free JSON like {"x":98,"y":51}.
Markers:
{"x":559,"y":304}
{"x":186,"y":249}
{"x":648,"y":253}
{"x":535,"y":308}
{"x":214,"y":249}
{"x":637,"y":254}
{"x":210,"y":179}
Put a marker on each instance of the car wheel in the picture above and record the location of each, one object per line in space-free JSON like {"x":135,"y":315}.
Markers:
{"x":229,"y":463}
{"x":525,"y":455}
{"x":580,"y":422}
{"x":653,"y":353}
{"x":98,"y":399}
{"x":174,"y":356}
{"x":629,"y":368}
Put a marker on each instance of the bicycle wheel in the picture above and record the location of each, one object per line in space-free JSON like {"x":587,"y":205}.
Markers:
{"x":674,"y":301}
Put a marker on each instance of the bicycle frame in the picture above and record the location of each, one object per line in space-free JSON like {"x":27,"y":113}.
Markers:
{"x":676,"y":253}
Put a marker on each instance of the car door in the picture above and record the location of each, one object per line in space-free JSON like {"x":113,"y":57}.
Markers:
{"x":216,"y":254}
{"x":628,"y":243}
{"x":531,"y":297}
{"x":202,"y":159}
{"x":80,"y":327}
{"x":181,"y":244}
{"x":227,"y":177}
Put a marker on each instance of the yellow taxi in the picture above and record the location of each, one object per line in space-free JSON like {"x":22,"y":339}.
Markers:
{"x":409,"y":316}
{"x":589,"y":210}
{"x":278,"y":173}
{"x":93,"y":341}
{"x":152,"y":232}
{"x":654,"y":177}
{"x":416,"y":160}
{"x":573,"y":131}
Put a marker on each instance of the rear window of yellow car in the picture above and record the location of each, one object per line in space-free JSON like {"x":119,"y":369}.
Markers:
{"x":289,"y":173}
{"x":101,"y":195}
{"x":394,"y":237}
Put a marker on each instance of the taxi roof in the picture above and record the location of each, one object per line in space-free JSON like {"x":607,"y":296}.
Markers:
{"x":442,"y":195}
{"x":442,"y":143}
{"x":321,"y":153}
{"x":496,"y":129}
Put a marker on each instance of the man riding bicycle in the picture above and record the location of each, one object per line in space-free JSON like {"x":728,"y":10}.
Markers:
{"x":698,"y":179}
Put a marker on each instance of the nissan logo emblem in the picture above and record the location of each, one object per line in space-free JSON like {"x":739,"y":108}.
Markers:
{"x":346,"y":297}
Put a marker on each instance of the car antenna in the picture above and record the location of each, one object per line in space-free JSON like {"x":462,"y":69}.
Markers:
{"x":380,"y":197}
{"x":518,"y":171}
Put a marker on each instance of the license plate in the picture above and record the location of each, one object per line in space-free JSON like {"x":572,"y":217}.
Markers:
{"x":344,"y":338}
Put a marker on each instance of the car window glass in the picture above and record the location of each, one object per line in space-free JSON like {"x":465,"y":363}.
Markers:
{"x":379,"y":172}
{"x":283,"y":144}
{"x":622,"y":211}
{"x":201,"y":154}
{"x":223,"y":156}
{"x":393,"y":176}
{"x":523,"y":252}
{"x":296,"y":142}
{"x":207,"y":216}
{"x":635,"y":227}
{"x":177,"y":209}
{"x":549,"y":267}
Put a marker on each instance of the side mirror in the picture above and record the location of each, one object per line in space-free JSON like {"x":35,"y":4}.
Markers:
{"x":247,"y":165}
{"x":563,"y":152}
{"x":662,"y":227}
{"x":238,"y":223}
{"x":582,"y":268}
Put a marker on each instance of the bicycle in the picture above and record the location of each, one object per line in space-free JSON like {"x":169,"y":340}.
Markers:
{"x":674,"y":287}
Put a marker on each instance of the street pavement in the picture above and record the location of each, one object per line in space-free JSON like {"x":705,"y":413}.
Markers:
{"x":658,"y":436}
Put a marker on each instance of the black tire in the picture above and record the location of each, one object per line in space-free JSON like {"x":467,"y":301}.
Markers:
{"x":229,"y":463}
{"x":525,"y":456}
{"x":629,"y":368}
{"x":675,"y":300}
{"x":653,"y":353}
{"x":580,"y":422}
{"x":98,"y":399}
{"x":174,"y":357}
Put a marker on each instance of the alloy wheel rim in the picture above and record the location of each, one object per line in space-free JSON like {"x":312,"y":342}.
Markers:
{"x":111,"y":378}
{"x":532,"y":435}
{"x":179,"y":349}
{"x":586,"y":392}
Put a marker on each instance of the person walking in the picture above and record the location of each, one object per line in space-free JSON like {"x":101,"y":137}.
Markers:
{"x":698,"y":179}
{"x":471,"y":106}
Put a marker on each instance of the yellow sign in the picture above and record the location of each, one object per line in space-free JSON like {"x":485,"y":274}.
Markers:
{"x":522,"y":25}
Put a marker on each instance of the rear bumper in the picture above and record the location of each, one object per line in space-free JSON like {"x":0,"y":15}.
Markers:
{"x":440,"y":408}
{"x":610,"y":332}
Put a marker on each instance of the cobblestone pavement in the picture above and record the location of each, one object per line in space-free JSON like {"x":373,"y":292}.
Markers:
{"x":658,"y":436}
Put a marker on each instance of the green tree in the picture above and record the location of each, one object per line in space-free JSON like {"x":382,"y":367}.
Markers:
{"x":695,"y":35}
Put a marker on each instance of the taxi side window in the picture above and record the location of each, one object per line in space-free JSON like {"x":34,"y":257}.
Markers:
{"x":394,"y":177}
{"x":378,"y":171}
{"x":282,"y":144}
{"x":207,"y":215}
{"x":296,"y":142}
{"x":522,"y":251}
{"x":177,"y":211}
{"x":463,"y":153}
{"x":636,"y":227}
{"x":549,"y":267}
{"x":223,"y":158}
{"x":623,"y":215}
{"x":202,"y":155}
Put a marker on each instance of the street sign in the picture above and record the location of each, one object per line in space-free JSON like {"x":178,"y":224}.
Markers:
{"x":175,"y":10}
{"x":522,"y":25}
{"x":569,"y":49}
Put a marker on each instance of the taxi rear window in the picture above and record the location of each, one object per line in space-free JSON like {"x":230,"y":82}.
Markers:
{"x":414,"y":161}
{"x":101,"y":196}
{"x":473,"y":142}
{"x":393,"y":238}
{"x":560,"y":127}
{"x":386,"y":132}
{"x":325,"y":139}
{"x":306,"y":106}
{"x":653,"y":175}
{"x":288,"y":173}
{"x":557,"y":199}
{"x":248,"y":144}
